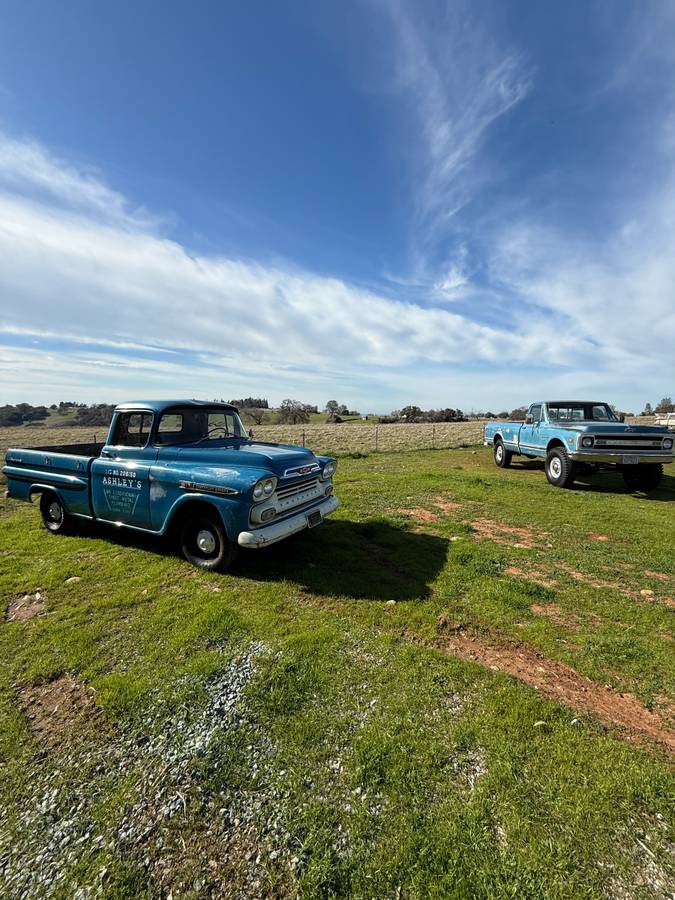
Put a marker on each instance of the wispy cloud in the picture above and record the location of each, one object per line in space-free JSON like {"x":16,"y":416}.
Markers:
{"x":458,"y":82}
{"x":87,"y":276}
{"x":30,"y":171}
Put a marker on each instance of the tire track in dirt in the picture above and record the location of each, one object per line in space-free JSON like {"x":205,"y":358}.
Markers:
{"x":558,"y":681}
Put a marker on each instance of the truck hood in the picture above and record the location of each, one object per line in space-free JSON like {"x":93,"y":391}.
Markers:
{"x":276,"y":458}
{"x":611,"y":428}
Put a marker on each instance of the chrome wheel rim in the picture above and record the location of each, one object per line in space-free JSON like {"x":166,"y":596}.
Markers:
{"x":206,"y":541}
{"x":55,"y":513}
{"x":555,"y":467}
{"x":500,"y":453}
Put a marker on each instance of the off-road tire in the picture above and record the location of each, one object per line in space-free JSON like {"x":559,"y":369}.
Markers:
{"x":560,"y":469}
{"x":503,"y":456}
{"x":203,"y":543}
{"x":54,"y":515}
{"x":646,"y":477}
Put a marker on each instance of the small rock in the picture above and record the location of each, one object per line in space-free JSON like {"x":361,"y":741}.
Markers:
{"x":73,"y":579}
{"x":390,"y":603}
{"x":576,"y":723}
{"x":645,"y":592}
{"x":540,"y":724}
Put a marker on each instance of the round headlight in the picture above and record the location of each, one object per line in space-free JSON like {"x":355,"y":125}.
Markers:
{"x":268,"y":486}
{"x":258,"y":490}
{"x":667,"y":443}
{"x":329,"y":470}
{"x":587,"y":441}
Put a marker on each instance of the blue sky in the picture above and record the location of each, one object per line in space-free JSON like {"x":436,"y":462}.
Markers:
{"x":385,"y":202}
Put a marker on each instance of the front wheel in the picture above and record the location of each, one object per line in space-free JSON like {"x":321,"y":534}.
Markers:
{"x":54,"y":515}
{"x":646,"y":477}
{"x":204,"y":543}
{"x":503,"y":456}
{"x":560,"y":469}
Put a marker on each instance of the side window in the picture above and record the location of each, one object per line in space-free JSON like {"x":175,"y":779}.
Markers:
{"x":132,"y":429}
{"x":535,"y":412}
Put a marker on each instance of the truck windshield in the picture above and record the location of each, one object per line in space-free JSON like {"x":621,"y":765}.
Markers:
{"x":189,"y":425}
{"x":581,"y":412}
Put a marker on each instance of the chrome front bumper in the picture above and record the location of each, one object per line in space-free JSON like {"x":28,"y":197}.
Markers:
{"x":277,"y":531}
{"x":589,"y":456}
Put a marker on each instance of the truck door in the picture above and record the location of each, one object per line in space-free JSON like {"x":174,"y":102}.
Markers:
{"x":120,"y":477}
{"x":530,"y":439}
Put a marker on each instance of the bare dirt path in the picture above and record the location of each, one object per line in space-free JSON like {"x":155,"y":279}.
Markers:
{"x":560,"y":682}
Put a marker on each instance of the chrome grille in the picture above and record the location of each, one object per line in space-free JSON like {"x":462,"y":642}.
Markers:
{"x":298,"y":487}
{"x":629,"y":442}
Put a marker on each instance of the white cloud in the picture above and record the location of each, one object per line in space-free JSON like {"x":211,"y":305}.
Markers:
{"x":459,"y":82}
{"x":29,"y":170}
{"x":86,"y":276}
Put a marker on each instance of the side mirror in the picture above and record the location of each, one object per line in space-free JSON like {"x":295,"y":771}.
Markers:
{"x":622,"y":418}
{"x":529,"y":420}
{"x":250,"y":433}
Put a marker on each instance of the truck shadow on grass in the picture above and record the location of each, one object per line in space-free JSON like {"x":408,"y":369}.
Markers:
{"x":604,"y":482}
{"x":372,"y":560}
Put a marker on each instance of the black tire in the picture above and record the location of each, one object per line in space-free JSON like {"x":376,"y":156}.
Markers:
{"x":560,"y":469}
{"x":503,"y":456}
{"x":54,"y":515}
{"x":203,"y":543}
{"x":646,"y":477}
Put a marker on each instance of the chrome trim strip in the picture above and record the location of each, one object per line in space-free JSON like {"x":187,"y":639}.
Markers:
{"x":219,"y":489}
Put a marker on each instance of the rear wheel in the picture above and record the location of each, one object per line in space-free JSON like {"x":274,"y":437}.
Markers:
{"x":503,"y":456}
{"x":560,"y":469}
{"x":54,"y":515}
{"x":204,"y":543}
{"x":645,"y":477}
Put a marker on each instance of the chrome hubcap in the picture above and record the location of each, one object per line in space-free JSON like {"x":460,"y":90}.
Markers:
{"x":55,"y":512}
{"x":206,"y":541}
{"x":500,"y":453}
{"x":555,"y":467}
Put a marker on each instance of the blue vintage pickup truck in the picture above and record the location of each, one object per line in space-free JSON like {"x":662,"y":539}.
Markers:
{"x":184,"y":467}
{"x":574,"y":436}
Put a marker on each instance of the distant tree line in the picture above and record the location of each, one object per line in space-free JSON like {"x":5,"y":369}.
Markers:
{"x":415,"y":414}
{"x":665,"y":406}
{"x":251,"y":403}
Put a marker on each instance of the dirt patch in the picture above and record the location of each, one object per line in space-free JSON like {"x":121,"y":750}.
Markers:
{"x":560,"y":682}
{"x":419,"y":514}
{"x":447,"y":506}
{"x":533,"y":575}
{"x":25,"y":606}
{"x":511,"y":535}
{"x":661,"y":576}
{"x":595,"y":536}
{"x":56,"y":711}
{"x":553,"y":612}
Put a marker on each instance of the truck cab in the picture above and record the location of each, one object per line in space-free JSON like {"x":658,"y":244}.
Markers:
{"x":182,"y":466}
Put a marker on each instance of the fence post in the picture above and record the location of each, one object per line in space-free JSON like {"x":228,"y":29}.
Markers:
{"x":433,"y":436}
{"x":376,"y":438}
{"x":303,"y":437}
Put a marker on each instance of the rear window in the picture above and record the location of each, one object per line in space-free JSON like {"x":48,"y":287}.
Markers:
{"x":132,"y":429}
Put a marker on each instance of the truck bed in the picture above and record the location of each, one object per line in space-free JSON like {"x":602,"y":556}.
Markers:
{"x":65,"y":466}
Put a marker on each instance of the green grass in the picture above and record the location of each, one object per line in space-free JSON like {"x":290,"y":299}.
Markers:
{"x":390,"y":769}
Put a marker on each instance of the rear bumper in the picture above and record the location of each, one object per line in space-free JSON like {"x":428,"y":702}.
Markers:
{"x":277,"y":531}
{"x":617,"y":458}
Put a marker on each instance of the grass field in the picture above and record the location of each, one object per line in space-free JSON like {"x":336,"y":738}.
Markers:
{"x":460,"y":686}
{"x":321,"y":438}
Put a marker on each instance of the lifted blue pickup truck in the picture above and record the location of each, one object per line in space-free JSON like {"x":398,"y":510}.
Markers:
{"x":574,"y":436}
{"x":181,"y":466}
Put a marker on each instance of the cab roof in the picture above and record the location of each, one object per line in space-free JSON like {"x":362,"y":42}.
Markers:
{"x":159,"y":406}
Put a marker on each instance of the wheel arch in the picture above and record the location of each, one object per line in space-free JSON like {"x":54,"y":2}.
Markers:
{"x":497,"y":437}
{"x":555,"y":442}
{"x":183,"y":509}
